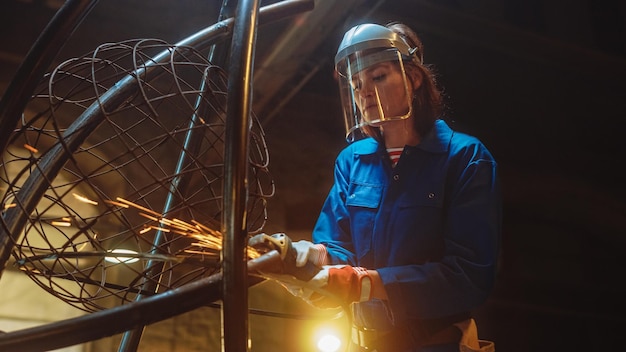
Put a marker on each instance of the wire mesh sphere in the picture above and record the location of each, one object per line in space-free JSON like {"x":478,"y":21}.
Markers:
{"x":114,"y":176}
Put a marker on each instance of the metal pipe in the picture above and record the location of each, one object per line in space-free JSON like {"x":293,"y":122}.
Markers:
{"x":234,"y":224}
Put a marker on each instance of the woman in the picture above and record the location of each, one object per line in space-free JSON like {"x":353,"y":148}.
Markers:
{"x":409,"y":232}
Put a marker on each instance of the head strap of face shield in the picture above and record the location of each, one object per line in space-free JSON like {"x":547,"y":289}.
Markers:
{"x":415,"y":54}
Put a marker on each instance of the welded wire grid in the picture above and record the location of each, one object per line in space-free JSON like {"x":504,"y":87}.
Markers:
{"x":153,"y":168}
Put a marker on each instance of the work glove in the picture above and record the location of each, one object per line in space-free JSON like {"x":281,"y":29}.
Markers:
{"x":307,"y":251}
{"x":333,"y":286}
{"x":345,"y":284}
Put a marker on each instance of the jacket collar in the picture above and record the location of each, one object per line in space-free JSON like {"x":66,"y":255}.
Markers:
{"x":436,"y":141}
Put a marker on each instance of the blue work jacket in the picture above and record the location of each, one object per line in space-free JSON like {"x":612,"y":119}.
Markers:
{"x":430,"y":225}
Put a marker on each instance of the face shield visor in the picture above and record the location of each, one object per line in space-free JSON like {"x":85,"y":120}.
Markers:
{"x":374,"y":89}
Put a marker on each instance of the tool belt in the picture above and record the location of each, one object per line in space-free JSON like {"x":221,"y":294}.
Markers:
{"x":401,"y":339}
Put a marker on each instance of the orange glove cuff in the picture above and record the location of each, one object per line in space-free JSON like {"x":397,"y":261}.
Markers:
{"x":349,"y":284}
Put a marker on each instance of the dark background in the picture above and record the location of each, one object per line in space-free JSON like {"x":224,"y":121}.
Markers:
{"x":541,"y":83}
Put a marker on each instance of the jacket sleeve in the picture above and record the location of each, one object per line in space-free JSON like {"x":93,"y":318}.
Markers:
{"x":333,"y":225}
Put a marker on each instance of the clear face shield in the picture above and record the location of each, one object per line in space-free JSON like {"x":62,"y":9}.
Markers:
{"x":374,"y":89}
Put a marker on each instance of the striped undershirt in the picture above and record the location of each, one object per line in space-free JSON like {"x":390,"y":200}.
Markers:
{"x":394,"y":155}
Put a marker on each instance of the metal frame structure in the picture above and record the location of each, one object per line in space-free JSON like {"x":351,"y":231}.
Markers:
{"x":232,"y":282}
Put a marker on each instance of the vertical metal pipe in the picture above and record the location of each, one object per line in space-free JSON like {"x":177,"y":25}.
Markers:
{"x":178,"y":185}
{"x":218,"y":54}
{"x":234,"y":224}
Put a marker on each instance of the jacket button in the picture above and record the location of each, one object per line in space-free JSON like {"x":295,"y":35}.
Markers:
{"x":396,"y":177}
{"x":431,"y":195}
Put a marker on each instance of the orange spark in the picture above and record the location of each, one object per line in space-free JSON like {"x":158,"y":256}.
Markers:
{"x":121,"y":205}
{"x":31,"y":148}
{"x":60,"y":223}
{"x":84,"y":199}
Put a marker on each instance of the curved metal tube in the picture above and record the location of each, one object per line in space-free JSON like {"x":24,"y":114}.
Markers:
{"x":37,"y":61}
{"x":122,"y":318}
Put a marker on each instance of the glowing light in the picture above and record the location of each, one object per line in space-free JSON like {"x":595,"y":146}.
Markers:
{"x":328,"y":343}
{"x":121,"y":259}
